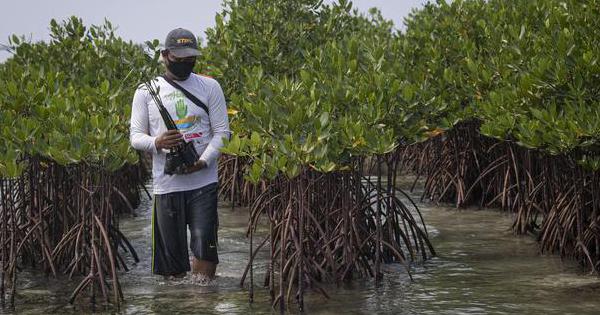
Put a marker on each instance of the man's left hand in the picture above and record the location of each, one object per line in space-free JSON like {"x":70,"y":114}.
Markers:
{"x":200,"y":164}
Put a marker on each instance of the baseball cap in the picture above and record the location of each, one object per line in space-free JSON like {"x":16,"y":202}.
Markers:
{"x":182,"y":43}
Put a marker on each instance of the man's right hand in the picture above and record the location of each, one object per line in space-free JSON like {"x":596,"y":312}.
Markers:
{"x":168,"y":139}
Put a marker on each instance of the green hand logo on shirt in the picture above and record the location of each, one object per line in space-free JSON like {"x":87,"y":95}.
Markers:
{"x":181,"y":108}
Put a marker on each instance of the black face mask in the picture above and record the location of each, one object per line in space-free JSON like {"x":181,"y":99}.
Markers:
{"x":181,"y":70}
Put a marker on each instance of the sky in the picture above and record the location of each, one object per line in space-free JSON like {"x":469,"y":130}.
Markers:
{"x":142,"y":20}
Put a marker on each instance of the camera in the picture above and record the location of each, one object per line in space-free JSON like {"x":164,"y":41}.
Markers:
{"x":180,"y":158}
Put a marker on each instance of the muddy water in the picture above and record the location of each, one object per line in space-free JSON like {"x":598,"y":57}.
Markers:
{"x":481,"y":268}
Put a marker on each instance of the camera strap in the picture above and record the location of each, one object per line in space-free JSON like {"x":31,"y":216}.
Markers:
{"x":187,"y":94}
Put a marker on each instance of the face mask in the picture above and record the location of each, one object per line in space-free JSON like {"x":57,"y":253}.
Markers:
{"x":180,"y":69}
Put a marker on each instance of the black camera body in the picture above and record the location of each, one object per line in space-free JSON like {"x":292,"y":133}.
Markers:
{"x":180,"y":158}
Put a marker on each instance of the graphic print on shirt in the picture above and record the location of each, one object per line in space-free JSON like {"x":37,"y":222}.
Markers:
{"x":188,"y":125}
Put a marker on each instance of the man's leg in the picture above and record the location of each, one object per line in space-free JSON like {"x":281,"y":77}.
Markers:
{"x":204,"y":267}
{"x":203,"y":220}
{"x":169,"y":237}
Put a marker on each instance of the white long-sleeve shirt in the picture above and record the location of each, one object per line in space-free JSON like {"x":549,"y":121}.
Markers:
{"x":205,"y":130}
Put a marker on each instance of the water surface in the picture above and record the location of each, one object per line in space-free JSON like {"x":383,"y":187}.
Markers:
{"x":481,"y":268}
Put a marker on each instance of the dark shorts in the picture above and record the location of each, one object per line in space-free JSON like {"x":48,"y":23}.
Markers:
{"x":172,"y":214}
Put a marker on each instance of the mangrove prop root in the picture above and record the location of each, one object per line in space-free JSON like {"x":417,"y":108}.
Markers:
{"x":552,"y":197}
{"x":64,"y":220}
{"x":326,"y":227}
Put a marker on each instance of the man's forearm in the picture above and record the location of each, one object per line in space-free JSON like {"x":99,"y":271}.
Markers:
{"x":143,"y":142}
{"x":212,"y":151}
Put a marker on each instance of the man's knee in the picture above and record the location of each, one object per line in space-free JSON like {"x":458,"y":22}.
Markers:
{"x":204,"y":244}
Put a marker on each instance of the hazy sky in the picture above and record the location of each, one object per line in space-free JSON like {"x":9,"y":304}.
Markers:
{"x":141,"y":20}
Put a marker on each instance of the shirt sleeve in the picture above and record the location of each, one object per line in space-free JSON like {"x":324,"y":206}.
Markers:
{"x":219,"y":123}
{"x":139,"y":135}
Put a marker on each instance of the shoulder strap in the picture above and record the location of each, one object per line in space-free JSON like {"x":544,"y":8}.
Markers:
{"x":187,"y":94}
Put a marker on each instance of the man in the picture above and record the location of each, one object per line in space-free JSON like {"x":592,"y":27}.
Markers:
{"x":188,"y":198}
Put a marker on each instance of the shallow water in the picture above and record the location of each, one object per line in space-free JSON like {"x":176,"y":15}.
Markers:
{"x":481,"y":268}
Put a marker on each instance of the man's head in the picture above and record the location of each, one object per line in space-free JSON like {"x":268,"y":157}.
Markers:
{"x":181,"y":49}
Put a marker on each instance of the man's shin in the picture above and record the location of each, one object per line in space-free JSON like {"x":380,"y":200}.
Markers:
{"x":204,"y":267}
